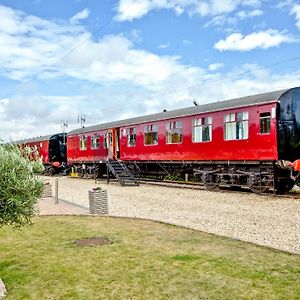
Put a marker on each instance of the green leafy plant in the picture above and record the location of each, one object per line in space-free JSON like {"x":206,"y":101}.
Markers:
{"x":19,"y":186}
{"x":173,"y":177}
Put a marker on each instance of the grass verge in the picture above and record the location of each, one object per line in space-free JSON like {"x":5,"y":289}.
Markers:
{"x":146,"y":260}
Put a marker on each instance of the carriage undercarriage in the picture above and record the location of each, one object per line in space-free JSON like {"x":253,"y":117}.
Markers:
{"x":258,"y":176}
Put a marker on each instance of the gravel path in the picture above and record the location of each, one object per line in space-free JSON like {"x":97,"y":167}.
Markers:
{"x":269,"y":221}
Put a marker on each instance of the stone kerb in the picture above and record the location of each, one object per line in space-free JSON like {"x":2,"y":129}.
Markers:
{"x":2,"y":290}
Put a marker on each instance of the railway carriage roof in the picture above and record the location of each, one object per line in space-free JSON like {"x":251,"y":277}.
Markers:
{"x":194,"y":110}
{"x":34,"y":139}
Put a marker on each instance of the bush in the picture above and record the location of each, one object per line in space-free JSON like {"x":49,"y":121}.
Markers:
{"x":173,"y":177}
{"x":19,"y":186}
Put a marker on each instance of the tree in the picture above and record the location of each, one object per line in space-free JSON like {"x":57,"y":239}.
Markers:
{"x":19,"y":186}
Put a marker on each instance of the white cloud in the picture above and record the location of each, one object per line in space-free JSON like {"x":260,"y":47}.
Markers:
{"x":249,"y":14}
{"x":262,"y":39}
{"x":187,"y":42}
{"x":129,"y":10}
{"x":296,"y":11}
{"x":3,"y":104}
{"x":48,"y":50}
{"x":248,"y":79}
{"x":285,"y":3}
{"x":221,"y":20}
{"x":215,"y":66}
{"x":164,"y":46}
{"x":84,"y":14}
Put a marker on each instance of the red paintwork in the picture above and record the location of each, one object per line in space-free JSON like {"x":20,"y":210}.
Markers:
{"x":296,"y":165}
{"x":256,"y":147}
{"x":42,"y":147}
{"x":56,"y":164}
{"x":74,"y":154}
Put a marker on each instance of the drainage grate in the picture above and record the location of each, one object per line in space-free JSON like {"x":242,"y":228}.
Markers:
{"x":93,"y":241}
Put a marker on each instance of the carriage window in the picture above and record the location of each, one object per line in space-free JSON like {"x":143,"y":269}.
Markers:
{"x":151,"y":135}
{"x":202,"y":130}
{"x":105,"y":145}
{"x":83,"y":142}
{"x":95,"y":141}
{"x":236,"y":126}
{"x":131,"y":136}
{"x":265,"y":122}
{"x":174,"y":132}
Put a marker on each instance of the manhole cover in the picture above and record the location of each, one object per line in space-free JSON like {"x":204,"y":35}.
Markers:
{"x":93,"y":241}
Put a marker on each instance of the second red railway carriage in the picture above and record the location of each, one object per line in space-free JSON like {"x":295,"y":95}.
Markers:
{"x":39,"y":146}
{"x":246,"y":141}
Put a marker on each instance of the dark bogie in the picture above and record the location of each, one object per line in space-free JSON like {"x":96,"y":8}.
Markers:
{"x":257,"y":176}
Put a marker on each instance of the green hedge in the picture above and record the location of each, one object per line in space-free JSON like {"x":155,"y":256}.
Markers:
{"x":19,"y":186}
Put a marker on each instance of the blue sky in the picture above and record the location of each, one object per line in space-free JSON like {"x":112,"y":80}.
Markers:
{"x":115,"y":59}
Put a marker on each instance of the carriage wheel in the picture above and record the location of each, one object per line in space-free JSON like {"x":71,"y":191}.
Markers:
{"x":258,"y":189}
{"x":211,"y":182}
{"x":262,"y":186}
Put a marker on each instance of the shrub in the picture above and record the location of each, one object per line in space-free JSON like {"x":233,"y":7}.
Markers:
{"x":19,"y":186}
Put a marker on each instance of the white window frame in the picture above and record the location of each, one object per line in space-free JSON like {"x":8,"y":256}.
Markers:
{"x":265,"y":118}
{"x":94,"y":144}
{"x":173,"y":128}
{"x":236,"y":126}
{"x":131,"y":136}
{"x":83,"y":142}
{"x":151,"y":129}
{"x":199,"y":126}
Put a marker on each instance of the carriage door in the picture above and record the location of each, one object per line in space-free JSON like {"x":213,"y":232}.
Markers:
{"x":109,"y":143}
{"x":116,"y":136}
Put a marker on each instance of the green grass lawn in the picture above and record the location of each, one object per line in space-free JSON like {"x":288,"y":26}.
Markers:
{"x":146,"y":261}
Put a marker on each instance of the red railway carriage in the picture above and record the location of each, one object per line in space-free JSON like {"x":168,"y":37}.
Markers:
{"x":201,"y":137}
{"x":51,"y":148}
{"x":38,"y":145}
{"x":238,"y":142}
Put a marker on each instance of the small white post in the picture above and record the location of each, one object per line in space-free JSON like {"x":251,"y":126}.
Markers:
{"x":186,"y":177}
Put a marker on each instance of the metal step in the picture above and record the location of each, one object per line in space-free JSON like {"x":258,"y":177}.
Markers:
{"x":122,"y":173}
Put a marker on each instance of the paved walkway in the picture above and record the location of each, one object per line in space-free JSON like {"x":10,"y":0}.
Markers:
{"x":47,"y":206}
